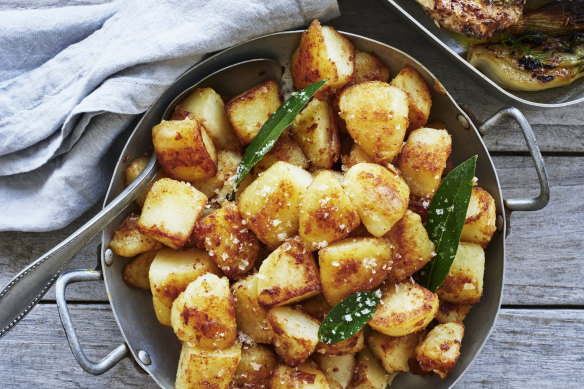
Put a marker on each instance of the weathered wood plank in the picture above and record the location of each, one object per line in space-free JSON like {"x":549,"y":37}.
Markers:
{"x":541,"y":347}
{"x":544,"y":251}
{"x":557,"y":130}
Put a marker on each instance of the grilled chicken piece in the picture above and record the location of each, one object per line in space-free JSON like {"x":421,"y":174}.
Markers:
{"x":479,"y":19}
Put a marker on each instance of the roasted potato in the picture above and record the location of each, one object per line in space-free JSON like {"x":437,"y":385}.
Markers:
{"x":128,"y":241}
{"x":326,"y":212}
{"x":412,"y":248}
{"x":439,"y":351}
{"x":404,"y":308}
{"x":202,"y":369}
{"x":464,"y":282}
{"x":356,"y":155}
{"x":323,"y":53}
{"x":381,"y":196}
{"x":376,"y":117}
{"x":305,"y":376}
{"x":394,"y":352}
{"x":251,"y":318}
{"x":133,"y":171}
{"x":136,"y":272}
{"x":315,"y":130}
{"x":353,"y":265}
{"x":348,"y":346}
{"x":184,"y":150}
{"x":287,"y":275}
{"x":206,"y":105}
{"x":233,"y":247}
{"x":170,"y":273}
{"x":295,"y":334}
{"x":337,"y":369}
{"x":423,"y":159}
{"x":368,"y":67}
{"x":448,"y":312}
{"x":270,"y":203}
{"x":369,"y":374}
{"x":255,"y":367}
{"x":227,"y":163}
{"x":170,"y":212}
{"x":204,"y":313}
{"x":249,"y":110}
{"x":419,"y":98}
{"x":286,"y":149}
{"x":480,"y":222}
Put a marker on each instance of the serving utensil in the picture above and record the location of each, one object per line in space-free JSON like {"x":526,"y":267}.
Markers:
{"x":27,"y":288}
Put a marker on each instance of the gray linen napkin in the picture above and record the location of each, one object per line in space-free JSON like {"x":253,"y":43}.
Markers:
{"x":73,"y":78}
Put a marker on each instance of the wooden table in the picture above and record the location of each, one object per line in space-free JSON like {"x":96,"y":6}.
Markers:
{"x":538,"y":337}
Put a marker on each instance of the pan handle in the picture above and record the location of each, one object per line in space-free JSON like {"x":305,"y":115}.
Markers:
{"x":89,"y":366}
{"x":524,"y":204}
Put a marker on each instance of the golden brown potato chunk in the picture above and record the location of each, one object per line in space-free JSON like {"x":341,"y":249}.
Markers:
{"x":207,"y":106}
{"x":184,"y":150}
{"x":369,"y":374}
{"x":285,"y":149}
{"x":381,"y":196}
{"x":412,"y":248}
{"x":202,"y":369}
{"x":136,"y":272}
{"x":287,"y":275}
{"x":348,"y":346}
{"x":356,"y":155}
{"x":423,"y":159}
{"x":337,"y":369}
{"x":315,"y":130}
{"x":170,"y":273}
{"x":249,"y":110}
{"x":133,"y":171}
{"x":233,"y":247}
{"x":255,"y":368}
{"x":404,"y":308}
{"x":376,"y":117}
{"x":368,"y":67}
{"x":227,"y":163}
{"x":353,"y":265}
{"x":251,"y":318}
{"x":480,"y":223}
{"x":270,"y":203}
{"x":170,"y":212}
{"x":128,"y":241}
{"x":322,"y":53}
{"x":305,"y":376}
{"x":440,"y":350}
{"x":419,"y":98}
{"x":448,"y":312}
{"x":295,"y":334}
{"x":326,"y":212}
{"x":464,"y":282}
{"x":394,"y":352}
{"x":204,"y":313}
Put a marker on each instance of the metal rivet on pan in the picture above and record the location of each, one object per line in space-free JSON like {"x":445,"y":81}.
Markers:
{"x":144,"y":357}
{"x":462,"y":120}
{"x":109,"y":257}
{"x":499,"y":223}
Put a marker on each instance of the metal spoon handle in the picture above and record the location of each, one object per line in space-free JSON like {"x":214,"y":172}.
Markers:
{"x":30,"y":285}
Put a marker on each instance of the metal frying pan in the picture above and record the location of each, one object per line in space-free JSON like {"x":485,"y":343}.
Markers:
{"x":156,"y":348}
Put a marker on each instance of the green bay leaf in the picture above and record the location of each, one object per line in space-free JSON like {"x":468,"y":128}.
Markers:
{"x":445,"y":221}
{"x":273,"y":128}
{"x":348,"y":317}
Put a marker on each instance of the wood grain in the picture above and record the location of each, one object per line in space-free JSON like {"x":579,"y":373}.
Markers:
{"x":527,"y":347}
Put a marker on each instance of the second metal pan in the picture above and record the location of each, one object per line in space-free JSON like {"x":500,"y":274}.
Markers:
{"x":456,"y":49}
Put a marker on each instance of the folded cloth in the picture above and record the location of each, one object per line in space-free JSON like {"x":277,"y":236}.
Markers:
{"x":73,"y":78}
